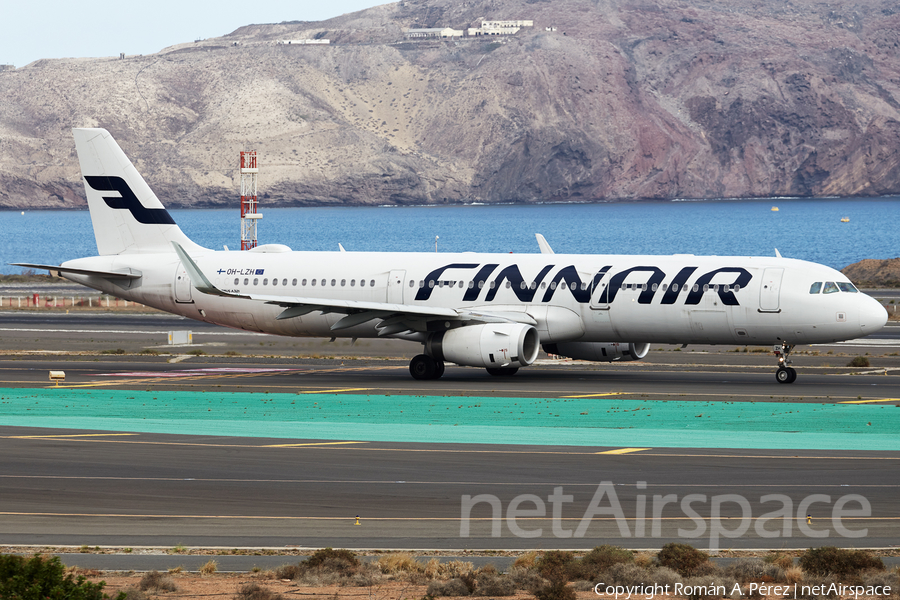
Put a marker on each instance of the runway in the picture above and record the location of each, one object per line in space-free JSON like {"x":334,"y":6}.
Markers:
{"x":79,"y":483}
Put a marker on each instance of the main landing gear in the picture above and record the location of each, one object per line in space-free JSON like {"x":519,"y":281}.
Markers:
{"x":423,"y":366}
{"x":784,"y":374}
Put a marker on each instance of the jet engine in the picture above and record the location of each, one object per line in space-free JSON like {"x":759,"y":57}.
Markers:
{"x":493,"y":345}
{"x":599,"y":351}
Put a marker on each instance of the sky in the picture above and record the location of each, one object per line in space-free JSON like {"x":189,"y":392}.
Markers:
{"x":95,"y":28}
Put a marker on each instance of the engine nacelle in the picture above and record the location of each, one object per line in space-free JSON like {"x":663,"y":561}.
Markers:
{"x":599,"y":351}
{"x":493,"y":345}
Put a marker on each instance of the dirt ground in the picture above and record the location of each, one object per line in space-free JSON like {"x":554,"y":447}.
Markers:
{"x":217,"y":586}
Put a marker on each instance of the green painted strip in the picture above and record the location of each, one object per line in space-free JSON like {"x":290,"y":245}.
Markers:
{"x":540,"y":421}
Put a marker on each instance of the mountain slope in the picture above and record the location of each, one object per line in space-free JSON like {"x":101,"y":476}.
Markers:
{"x":624,"y":100}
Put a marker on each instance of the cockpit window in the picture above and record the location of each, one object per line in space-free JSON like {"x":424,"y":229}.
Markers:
{"x":815,"y":288}
{"x":830,"y":288}
{"x":846,"y":286}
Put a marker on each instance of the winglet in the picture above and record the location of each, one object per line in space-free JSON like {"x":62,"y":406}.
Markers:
{"x":542,"y":242}
{"x":198,"y":279}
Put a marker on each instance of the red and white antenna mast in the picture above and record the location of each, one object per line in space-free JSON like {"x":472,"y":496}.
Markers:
{"x":249,"y":201}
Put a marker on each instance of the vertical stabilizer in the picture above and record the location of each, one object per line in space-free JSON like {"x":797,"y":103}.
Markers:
{"x":127,"y":215}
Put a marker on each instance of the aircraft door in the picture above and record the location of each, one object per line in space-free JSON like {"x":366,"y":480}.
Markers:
{"x":770,"y":290}
{"x":182,"y":285}
{"x":395,"y":287}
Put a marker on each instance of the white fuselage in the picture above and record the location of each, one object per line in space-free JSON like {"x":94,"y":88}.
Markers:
{"x":680,"y":299}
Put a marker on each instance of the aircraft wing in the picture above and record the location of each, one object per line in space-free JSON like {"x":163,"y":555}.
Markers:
{"x":395,"y":318}
{"x":124,"y":274}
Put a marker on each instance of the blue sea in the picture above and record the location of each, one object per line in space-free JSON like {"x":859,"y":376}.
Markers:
{"x":810,"y":229}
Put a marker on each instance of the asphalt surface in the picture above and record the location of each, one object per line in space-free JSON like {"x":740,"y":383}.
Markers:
{"x":85,"y":487}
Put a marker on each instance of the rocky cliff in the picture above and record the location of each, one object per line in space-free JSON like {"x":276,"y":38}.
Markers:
{"x":624,"y":99}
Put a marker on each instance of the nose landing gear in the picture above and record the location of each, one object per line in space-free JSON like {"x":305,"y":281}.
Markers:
{"x":784,"y":374}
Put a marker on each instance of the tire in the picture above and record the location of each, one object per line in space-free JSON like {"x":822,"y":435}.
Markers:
{"x":423,"y":367}
{"x":783,"y":375}
{"x":439,"y":369}
{"x":793,"y":375}
{"x":502,"y":372}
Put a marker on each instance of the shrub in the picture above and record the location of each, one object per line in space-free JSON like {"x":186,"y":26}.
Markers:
{"x":400,"y":562}
{"x":453,"y":587}
{"x":451,"y":569}
{"x":527,"y":560}
{"x":288,"y":572}
{"x":557,"y":565}
{"x":793,"y":575}
{"x":156,"y":581}
{"x":526,"y":579}
{"x":883,"y":579}
{"x":664,"y":576}
{"x":683,"y":558}
{"x":626,"y":574}
{"x":254,"y":591}
{"x":209,"y":568}
{"x":556,"y":590}
{"x":859,"y":361}
{"x":490,"y":584}
{"x":841,"y":562}
{"x":600,"y":559}
{"x":340,"y":562}
{"x":745,"y":570}
{"x":45,"y":578}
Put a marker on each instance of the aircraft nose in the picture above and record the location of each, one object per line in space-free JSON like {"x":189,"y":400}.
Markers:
{"x":872,"y":316}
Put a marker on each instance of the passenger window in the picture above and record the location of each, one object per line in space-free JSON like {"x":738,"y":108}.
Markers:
{"x":494,"y":284}
{"x":846,"y":286}
{"x":256,"y":281}
{"x":266,"y":281}
{"x":654,"y":287}
{"x":352,"y":283}
{"x":471,"y":285}
{"x":294,"y":282}
{"x":284,"y":282}
{"x":313,"y":282}
{"x":421,"y":283}
{"x":246,"y":281}
{"x":412,"y":283}
{"x":302,"y":283}
{"x":815,"y":288}
{"x":737,"y":288}
{"x":236,"y":281}
{"x":431,"y":283}
{"x":481,"y":284}
{"x":274,"y":282}
{"x":705,"y":288}
{"x":333,"y":282}
{"x":664,"y":287}
{"x":372,"y":283}
{"x":322,"y":283}
{"x":343,"y":282}
{"x":830,"y":288}
{"x":362,"y":283}
{"x":552,"y":285}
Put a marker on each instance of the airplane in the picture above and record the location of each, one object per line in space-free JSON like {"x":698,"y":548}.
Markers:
{"x":494,"y":311}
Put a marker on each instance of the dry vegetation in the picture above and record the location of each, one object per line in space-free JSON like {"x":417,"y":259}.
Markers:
{"x":553,"y":575}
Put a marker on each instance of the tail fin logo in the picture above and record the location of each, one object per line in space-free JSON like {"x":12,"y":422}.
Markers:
{"x":128,"y":201}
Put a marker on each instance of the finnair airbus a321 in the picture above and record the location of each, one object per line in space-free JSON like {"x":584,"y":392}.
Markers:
{"x":480,"y":310}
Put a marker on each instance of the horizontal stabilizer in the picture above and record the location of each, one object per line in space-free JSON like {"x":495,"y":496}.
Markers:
{"x":123,"y":274}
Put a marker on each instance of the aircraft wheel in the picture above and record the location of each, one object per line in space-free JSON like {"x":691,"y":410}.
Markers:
{"x":785,"y":375}
{"x":502,"y":372}
{"x":423,"y":367}
{"x":439,"y":369}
